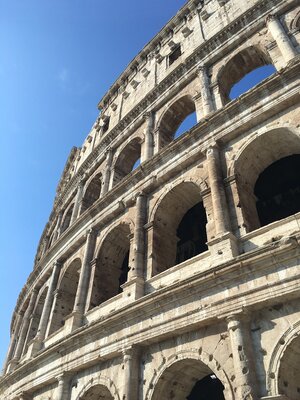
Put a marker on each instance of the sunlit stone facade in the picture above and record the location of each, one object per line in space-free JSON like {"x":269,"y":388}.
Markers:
{"x":170,"y":266}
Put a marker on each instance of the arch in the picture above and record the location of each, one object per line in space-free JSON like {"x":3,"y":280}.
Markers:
{"x":126,"y":160}
{"x":104,"y":384}
{"x":92,"y":192}
{"x":179,"y":227}
{"x":283,"y":374}
{"x":176,"y":377}
{"x":238,"y":66}
{"x":173,"y":117}
{"x":295,"y":23}
{"x":112,"y":265}
{"x":65,"y":295}
{"x":35,"y":317}
{"x":66,"y":220}
{"x":256,"y":155}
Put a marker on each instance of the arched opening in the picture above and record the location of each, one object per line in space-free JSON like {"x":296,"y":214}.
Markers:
{"x":179,"y":227}
{"x":278,"y":190}
{"x":188,"y":379}
{"x":35,"y":319}
{"x":65,"y":296}
{"x":239,"y":67}
{"x":267,"y":178}
{"x":289,"y":371}
{"x":92,"y":193}
{"x":250,"y":80}
{"x":179,"y":118}
{"x":112,"y":265}
{"x":67,"y":219}
{"x":97,"y":392}
{"x":127,"y":161}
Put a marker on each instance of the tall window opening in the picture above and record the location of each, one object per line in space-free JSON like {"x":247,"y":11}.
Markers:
{"x":65,"y":296}
{"x":191,"y":233}
{"x":277,"y":190}
{"x":112,"y":265}
{"x":179,"y":227}
{"x":92,"y":193}
{"x":176,"y":53}
{"x":180,"y":117}
{"x":67,"y":219}
{"x":127,"y":161}
{"x":250,"y":80}
{"x":245,"y":70}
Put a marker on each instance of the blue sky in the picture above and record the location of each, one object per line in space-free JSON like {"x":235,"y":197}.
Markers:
{"x":57,"y":59}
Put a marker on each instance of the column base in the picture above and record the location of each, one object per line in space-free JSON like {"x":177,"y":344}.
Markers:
{"x":224,"y":247}
{"x":133,"y":289}
{"x":73,"y":321}
{"x":34,"y":346}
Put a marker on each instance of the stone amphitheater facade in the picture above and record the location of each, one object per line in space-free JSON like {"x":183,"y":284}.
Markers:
{"x":179,"y":278}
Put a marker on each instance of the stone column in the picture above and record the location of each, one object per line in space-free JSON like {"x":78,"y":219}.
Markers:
{"x":45,"y":245}
{"x":25,"y":326}
{"x":48,"y":303}
{"x":207,"y":102}
{"x":84,"y":278}
{"x":242,"y":352}
{"x":131,"y":373}
{"x":137,"y":270}
{"x":149,"y":142}
{"x":93,"y":266}
{"x":62,"y":390}
{"x":107,"y":173}
{"x":281,"y":38}
{"x":58,"y":226}
{"x":220,"y":210}
{"x":13,"y":340}
{"x":78,"y":200}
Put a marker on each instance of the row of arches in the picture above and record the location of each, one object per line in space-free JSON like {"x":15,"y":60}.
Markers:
{"x":243,"y":71}
{"x":269,"y":186}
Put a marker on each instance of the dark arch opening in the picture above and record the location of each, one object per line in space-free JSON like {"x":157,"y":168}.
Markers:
{"x":128,"y":160}
{"x":179,"y":118}
{"x":179,"y":227}
{"x":192,"y":234}
{"x":289,"y":370}
{"x":92,"y":193}
{"x":250,"y":80}
{"x":67,"y":219}
{"x":207,"y":388}
{"x":240,"y":66}
{"x":97,"y":392}
{"x":65,"y":296}
{"x":112,"y":266}
{"x":278,"y":190}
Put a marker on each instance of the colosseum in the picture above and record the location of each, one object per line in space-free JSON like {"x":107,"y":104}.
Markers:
{"x":170,"y":264}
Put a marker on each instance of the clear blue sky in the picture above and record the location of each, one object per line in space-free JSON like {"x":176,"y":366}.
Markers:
{"x":57,"y":59}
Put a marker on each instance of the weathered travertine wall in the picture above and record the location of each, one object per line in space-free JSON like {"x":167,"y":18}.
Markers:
{"x":156,"y":270}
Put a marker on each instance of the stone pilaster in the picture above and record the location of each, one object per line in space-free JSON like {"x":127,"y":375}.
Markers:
{"x":13,"y":340}
{"x":24,"y":328}
{"x":242,"y":353}
{"x":131,"y":373}
{"x":207,"y":102}
{"x":77,"y":203}
{"x":149,"y":141}
{"x":62,"y":390}
{"x":220,"y":208}
{"x":107,"y":173}
{"x":84,"y":278}
{"x":47,"y":307}
{"x":281,"y":38}
{"x":93,"y":266}
{"x":58,"y":226}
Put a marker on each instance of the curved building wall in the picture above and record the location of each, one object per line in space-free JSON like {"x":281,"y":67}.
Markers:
{"x":169,"y":265}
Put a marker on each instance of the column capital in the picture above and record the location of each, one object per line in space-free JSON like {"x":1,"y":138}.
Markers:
{"x":201,"y":68}
{"x":236,"y":319}
{"x":140,"y":194}
{"x":57,"y":263}
{"x":130,"y":352}
{"x":147,"y":115}
{"x":270,"y":18}
{"x":91,"y":232}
